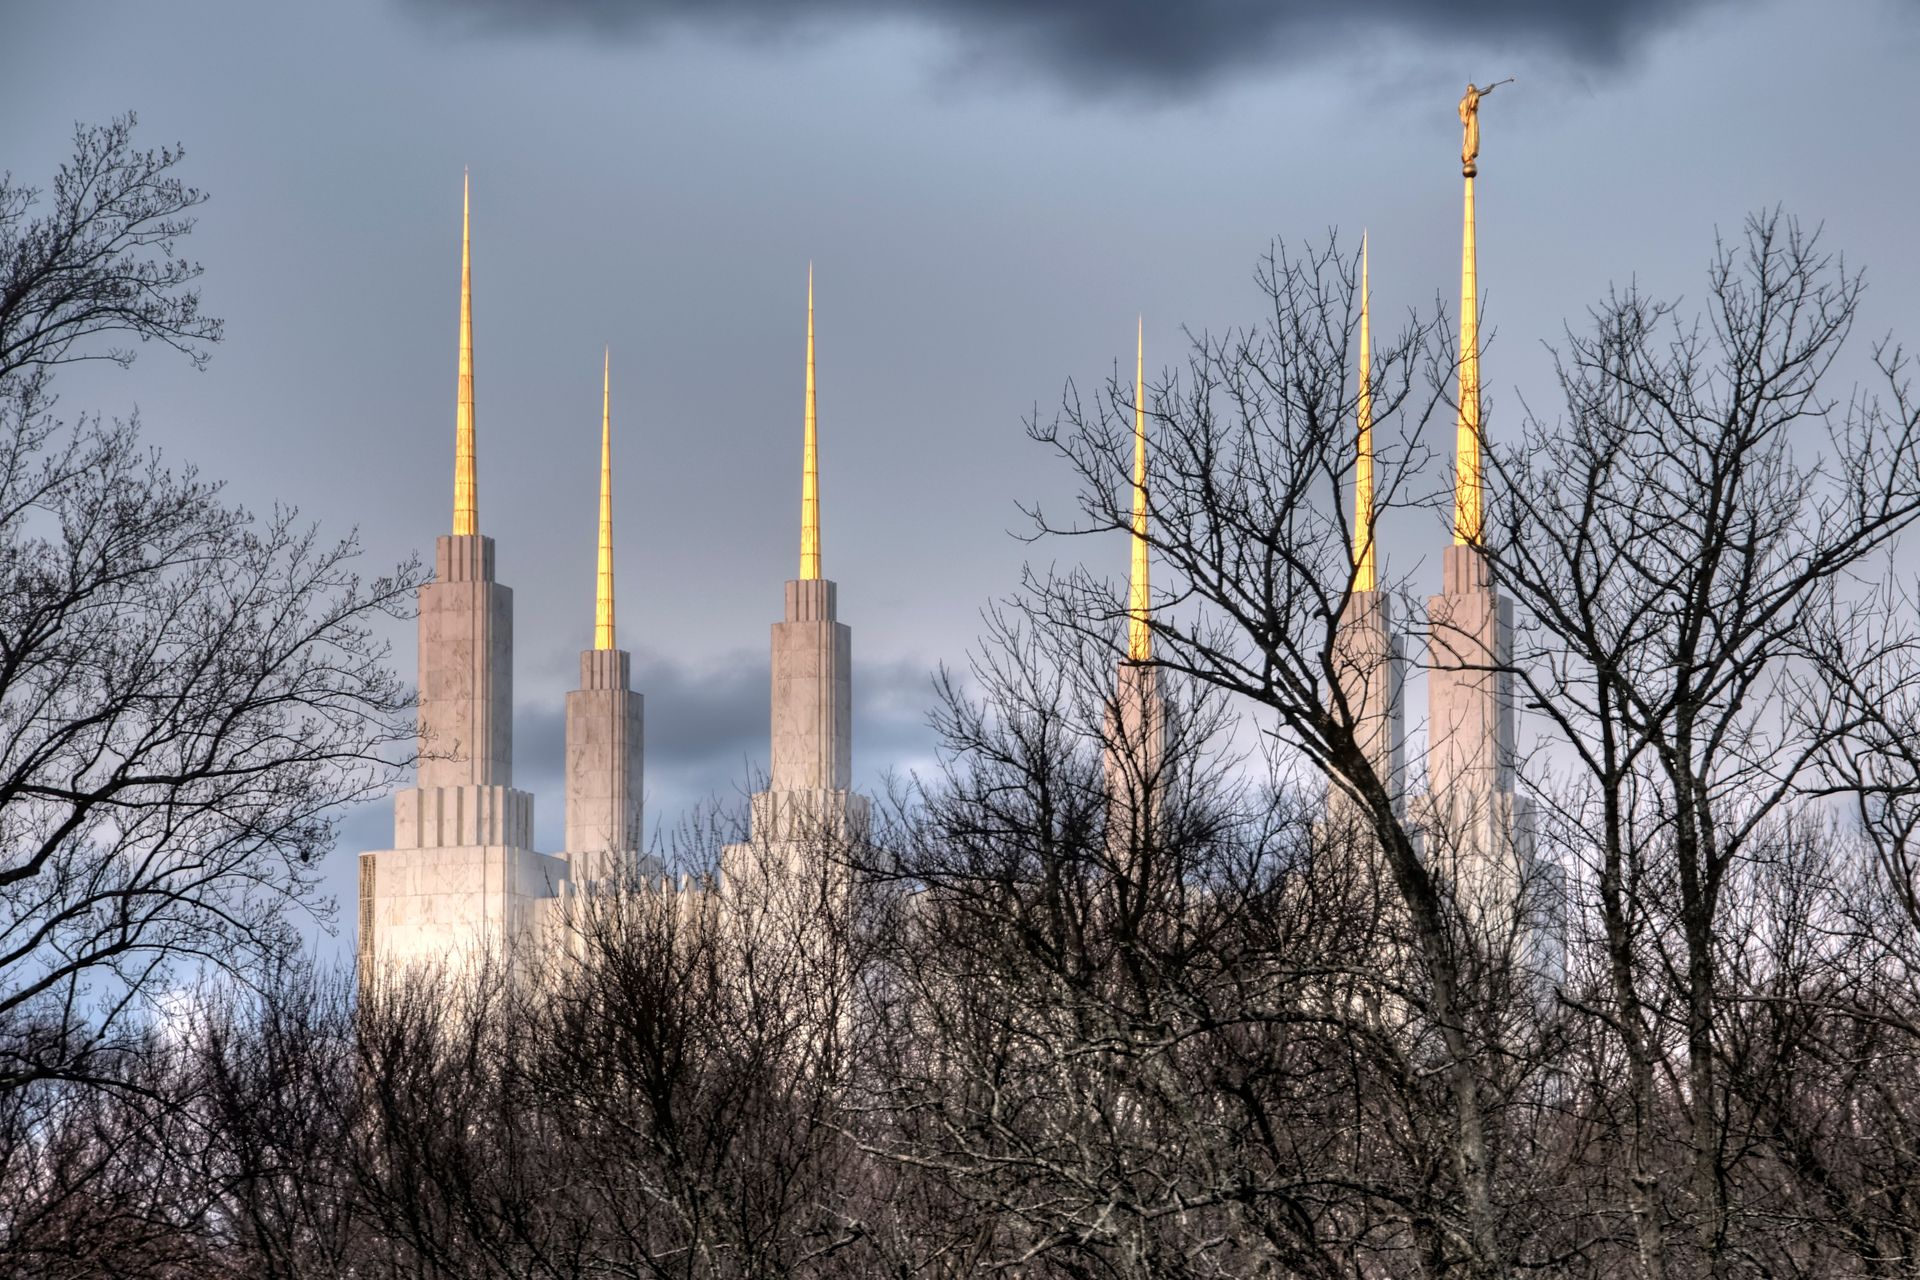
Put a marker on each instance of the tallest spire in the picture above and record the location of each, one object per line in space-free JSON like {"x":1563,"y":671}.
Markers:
{"x":809,"y":464}
{"x":466,"y":513}
{"x":1467,"y":526}
{"x":1469,"y":452}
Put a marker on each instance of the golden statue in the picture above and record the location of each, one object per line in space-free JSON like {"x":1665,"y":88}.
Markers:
{"x":1470,"y":124}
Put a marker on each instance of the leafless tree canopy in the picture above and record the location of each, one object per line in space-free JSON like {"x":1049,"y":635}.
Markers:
{"x":99,"y":258}
{"x":187,"y":691}
{"x":1019,"y":1030}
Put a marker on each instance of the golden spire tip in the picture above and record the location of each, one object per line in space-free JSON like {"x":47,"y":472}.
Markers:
{"x":466,"y":515}
{"x":1363,"y":505}
{"x":809,"y":463}
{"x":603,"y":585}
{"x":1469,"y":516}
{"x":1139,"y":635}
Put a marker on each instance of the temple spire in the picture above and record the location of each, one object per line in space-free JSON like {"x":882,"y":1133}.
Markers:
{"x":466,"y":504}
{"x":1139,"y":636}
{"x":1469,"y":516}
{"x":1363,"y":509}
{"x":603,"y":593}
{"x":809,"y":465}
{"x":1466,"y":492}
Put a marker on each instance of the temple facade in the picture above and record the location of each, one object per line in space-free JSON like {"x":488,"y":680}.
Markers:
{"x":1474,"y":828}
{"x":463,"y":878}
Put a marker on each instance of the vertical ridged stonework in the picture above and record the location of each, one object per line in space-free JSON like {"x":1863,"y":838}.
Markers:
{"x":369,"y":868}
{"x":462,"y":869}
{"x":466,"y":668}
{"x":462,"y":878}
{"x":1134,"y":757}
{"x":1370,"y":674}
{"x":1476,"y":831}
{"x":605,"y":719}
{"x":606,"y":726}
{"x":790,"y":880}
{"x":1470,"y":720}
{"x":812,"y":692}
{"x":809,"y":797}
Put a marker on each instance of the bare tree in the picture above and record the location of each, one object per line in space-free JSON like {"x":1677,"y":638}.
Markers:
{"x":663,"y":1094}
{"x":1684,"y":573}
{"x":1199,"y":1054}
{"x":1706,"y":650}
{"x":102,"y":260}
{"x":1062,"y":1013}
{"x":188,"y":692}
{"x":270,"y":1080}
{"x":1252,"y":464}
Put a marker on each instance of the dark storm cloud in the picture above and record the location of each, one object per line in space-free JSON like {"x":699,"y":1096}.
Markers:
{"x":1168,"y":46}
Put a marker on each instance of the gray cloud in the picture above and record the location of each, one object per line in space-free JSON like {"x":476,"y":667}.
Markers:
{"x":707,"y":732}
{"x":1166,"y":47}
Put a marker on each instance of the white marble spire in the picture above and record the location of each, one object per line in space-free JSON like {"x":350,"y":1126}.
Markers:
{"x":606,"y":720}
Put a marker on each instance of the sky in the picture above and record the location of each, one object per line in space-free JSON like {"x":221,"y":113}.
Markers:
{"x":989,"y":191}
